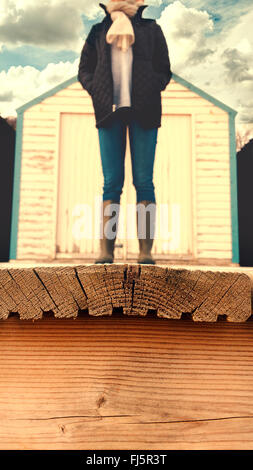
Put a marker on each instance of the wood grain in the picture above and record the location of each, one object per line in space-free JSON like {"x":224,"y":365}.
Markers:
{"x":204,"y":293}
{"x":125,"y":382}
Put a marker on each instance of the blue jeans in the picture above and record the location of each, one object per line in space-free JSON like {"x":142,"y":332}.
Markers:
{"x":142,"y":142}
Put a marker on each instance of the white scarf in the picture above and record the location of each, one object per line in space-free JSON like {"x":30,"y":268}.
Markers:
{"x":121,"y":30}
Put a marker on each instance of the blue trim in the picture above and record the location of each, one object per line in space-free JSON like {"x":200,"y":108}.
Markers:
{"x":16,"y":188}
{"x":47,"y":94}
{"x":233,"y":190}
{"x":202,"y":93}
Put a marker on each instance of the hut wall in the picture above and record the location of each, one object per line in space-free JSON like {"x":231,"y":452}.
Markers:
{"x":211,"y":221}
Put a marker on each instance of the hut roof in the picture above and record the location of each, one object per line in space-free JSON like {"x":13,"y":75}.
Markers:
{"x":175,"y":77}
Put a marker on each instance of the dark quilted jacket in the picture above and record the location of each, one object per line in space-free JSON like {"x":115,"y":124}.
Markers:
{"x":151,"y":71}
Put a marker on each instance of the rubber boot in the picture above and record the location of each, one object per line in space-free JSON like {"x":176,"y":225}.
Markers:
{"x":145,"y":244}
{"x":107,"y":245}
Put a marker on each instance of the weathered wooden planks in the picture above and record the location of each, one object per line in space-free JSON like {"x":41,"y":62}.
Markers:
{"x":125,"y":382}
{"x":203,"y":293}
{"x":206,"y":148}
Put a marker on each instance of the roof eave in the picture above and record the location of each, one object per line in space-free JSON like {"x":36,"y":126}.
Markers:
{"x":176,"y":77}
{"x":205,"y":95}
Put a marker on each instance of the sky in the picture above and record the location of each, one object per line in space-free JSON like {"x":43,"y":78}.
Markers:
{"x":210,"y":44}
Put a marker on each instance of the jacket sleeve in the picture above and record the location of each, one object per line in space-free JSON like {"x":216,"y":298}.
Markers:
{"x":88,"y":62}
{"x":161,"y":61}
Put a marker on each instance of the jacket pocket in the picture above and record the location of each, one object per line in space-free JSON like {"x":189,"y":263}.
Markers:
{"x":155,"y":80}
{"x":96,"y":80}
{"x":158,"y":80}
{"x":92,"y":87}
{"x":146,"y":81}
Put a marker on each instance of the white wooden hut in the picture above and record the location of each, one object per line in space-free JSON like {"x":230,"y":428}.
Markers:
{"x":58,"y":180}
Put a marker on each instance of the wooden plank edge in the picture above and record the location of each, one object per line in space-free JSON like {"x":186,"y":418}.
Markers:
{"x":132,"y":272}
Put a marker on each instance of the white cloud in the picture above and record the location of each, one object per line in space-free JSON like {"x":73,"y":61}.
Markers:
{"x":55,"y":24}
{"x":244,"y":46}
{"x":222,"y":65}
{"x":184,"y":29}
{"x":13,"y":84}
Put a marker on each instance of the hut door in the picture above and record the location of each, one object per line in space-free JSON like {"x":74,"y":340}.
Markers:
{"x":173,"y":188}
{"x":80,"y":187}
{"x":80,"y":182}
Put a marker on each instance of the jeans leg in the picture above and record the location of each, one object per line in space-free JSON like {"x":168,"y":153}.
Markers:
{"x":112,"y":142}
{"x":143,"y":145}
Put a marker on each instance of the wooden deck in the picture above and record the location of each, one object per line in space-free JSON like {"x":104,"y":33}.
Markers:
{"x":125,"y":356}
{"x":125,"y":382}
{"x":203,"y":292}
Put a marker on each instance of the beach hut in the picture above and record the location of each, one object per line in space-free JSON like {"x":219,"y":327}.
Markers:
{"x":58,"y":180}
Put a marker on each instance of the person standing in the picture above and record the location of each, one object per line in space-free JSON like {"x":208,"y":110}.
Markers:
{"x":124,"y":66}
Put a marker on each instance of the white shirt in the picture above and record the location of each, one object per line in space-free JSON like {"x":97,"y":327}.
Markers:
{"x":122,"y":75}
